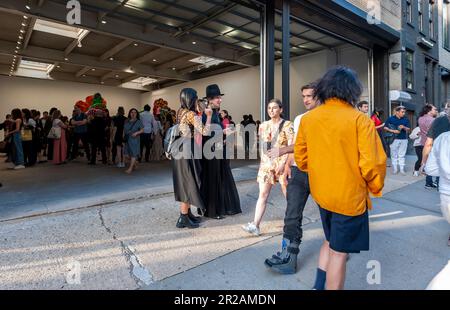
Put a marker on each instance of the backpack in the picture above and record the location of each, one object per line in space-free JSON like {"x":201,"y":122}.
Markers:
{"x":172,"y":134}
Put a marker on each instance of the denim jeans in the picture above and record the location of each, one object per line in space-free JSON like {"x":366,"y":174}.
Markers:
{"x":297,"y":196}
{"x":17,"y":144}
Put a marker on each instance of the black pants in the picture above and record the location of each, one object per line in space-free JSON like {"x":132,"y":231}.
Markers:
{"x":297,"y":196}
{"x":147,"y":143}
{"x":75,"y":144}
{"x":49,"y":149}
{"x":98,"y":145}
{"x":419,"y":152}
{"x":29,"y":153}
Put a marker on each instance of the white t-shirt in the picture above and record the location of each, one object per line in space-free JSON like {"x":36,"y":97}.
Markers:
{"x":31,"y":122}
{"x":296,"y":129}
{"x":56,"y":122}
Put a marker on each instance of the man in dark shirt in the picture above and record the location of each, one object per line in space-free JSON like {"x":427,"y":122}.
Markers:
{"x":118,"y":125}
{"x":398,"y":125}
{"x":79,"y":123}
{"x":98,"y":137}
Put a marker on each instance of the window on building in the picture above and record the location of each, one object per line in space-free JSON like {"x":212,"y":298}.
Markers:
{"x":409,"y":11}
{"x":431,"y":19}
{"x":420,"y":10}
{"x":409,"y":69}
{"x":445,"y":24}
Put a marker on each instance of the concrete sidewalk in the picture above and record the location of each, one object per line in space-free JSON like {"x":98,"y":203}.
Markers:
{"x":134,"y":244}
{"x":408,"y":239}
{"x":46,"y":188}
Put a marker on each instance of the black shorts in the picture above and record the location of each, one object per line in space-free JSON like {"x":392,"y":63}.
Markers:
{"x":346,"y":234}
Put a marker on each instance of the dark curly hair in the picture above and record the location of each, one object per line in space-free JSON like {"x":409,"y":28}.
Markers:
{"x":339,"y":82}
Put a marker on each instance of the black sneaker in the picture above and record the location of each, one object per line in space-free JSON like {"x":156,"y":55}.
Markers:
{"x":430,"y":186}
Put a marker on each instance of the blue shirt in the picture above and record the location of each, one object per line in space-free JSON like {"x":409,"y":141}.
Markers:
{"x":394,"y":122}
{"x":80,"y":129}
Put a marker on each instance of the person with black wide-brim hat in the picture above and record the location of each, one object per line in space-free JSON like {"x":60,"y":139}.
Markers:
{"x":218,"y":187}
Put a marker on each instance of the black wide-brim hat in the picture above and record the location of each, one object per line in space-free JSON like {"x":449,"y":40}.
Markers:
{"x":213,"y":91}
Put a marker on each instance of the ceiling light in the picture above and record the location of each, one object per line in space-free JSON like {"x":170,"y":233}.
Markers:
{"x":19,"y":42}
{"x":22,"y":31}
{"x":135,"y":44}
{"x":84,"y":75}
{"x":25,"y":17}
{"x":66,"y":59}
{"x":93,"y":69}
{"x":16,"y":51}
{"x":111,"y":58}
{"x":103,"y":22}
{"x":58,"y":66}
{"x":60,"y":29}
{"x":28,"y":7}
{"x":206,"y":62}
{"x":102,"y":82}
{"x":24,"y":24}
{"x":154,"y":60}
{"x":20,"y":37}
{"x":117,"y":76}
{"x":193,"y":42}
{"x":174,"y":68}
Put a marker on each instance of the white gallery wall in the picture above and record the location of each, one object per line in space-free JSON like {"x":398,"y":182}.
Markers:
{"x":42,"y":95}
{"x":241,"y":88}
{"x":242,"y":91}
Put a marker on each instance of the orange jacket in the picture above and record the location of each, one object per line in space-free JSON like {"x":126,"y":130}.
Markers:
{"x":341,"y":150}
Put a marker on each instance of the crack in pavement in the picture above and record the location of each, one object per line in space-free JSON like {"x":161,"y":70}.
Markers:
{"x":138,"y":272}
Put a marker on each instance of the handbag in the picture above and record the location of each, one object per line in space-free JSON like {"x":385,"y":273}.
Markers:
{"x":390,"y":136}
{"x":27,"y":134}
{"x":55,"y":133}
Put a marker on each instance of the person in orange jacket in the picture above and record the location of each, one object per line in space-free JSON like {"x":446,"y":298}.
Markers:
{"x":341,"y":150}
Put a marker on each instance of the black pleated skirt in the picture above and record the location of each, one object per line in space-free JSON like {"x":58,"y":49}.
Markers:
{"x":218,"y":189}
{"x":187,"y":181}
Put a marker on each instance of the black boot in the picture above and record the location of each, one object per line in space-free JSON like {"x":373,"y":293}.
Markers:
{"x":184,"y":221}
{"x":286,"y":261}
{"x":193,"y":218}
{"x":276,"y":258}
{"x":287,"y":265}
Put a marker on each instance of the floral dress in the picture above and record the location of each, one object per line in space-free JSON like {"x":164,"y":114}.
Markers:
{"x":269,"y":133}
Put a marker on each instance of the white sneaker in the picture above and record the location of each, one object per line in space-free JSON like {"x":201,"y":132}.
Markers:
{"x":395,"y":170}
{"x":251,"y":229}
{"x":18,"y":167}
{"x":416,"y":173}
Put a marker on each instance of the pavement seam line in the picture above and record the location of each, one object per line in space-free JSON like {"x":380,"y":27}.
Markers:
{"x":100,"y":204}
{"x":410,"y":205}
{"x":141,"y":275}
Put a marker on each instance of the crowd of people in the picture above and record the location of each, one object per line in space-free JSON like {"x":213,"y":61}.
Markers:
{"x":31,"y":138}
{"x":334,"y":140}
